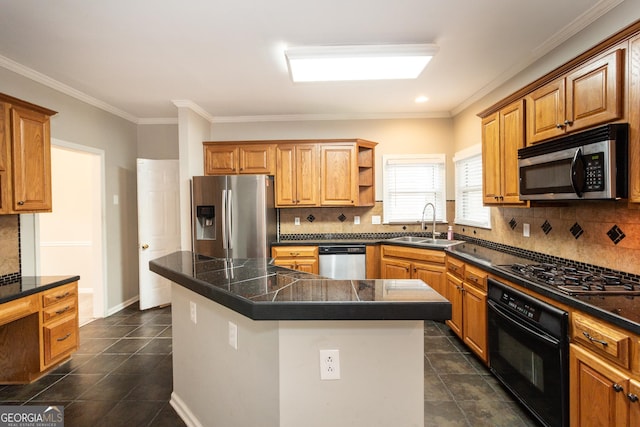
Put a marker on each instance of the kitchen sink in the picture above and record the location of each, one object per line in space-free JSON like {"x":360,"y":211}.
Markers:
{"x":426,"y":242}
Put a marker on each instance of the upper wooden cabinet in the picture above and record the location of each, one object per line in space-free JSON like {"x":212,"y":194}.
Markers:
{"x":587,"y":96}
{"x":297,"y":175}
{"x":326,"y":172}
{"x":25,"y":157}
{"x":231,"y":158}
{"x":502,"y":136}
{"x":347,"y":172}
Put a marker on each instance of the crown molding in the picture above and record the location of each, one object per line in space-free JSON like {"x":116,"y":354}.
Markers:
{"x":159,"y":121}
{"x":319,"y":117}
{"x":36,"y":76}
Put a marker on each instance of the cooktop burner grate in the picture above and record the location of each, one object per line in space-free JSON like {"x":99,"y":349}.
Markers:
{"x":572,"y":281}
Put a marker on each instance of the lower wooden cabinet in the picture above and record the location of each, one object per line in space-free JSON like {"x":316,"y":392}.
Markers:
{"x":301,"y":258}
{"x":37,"y":332}
{"x":466,"y":290}
{"x":400,"y":262}
{"x":600,"y":393}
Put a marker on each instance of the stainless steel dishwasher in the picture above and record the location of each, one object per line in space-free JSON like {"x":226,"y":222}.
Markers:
{"x":343,"y":261}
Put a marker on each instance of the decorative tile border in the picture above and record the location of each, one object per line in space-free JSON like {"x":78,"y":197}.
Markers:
{"x":9,"y":278}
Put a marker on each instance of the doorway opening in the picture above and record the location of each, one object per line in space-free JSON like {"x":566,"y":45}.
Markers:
{"x":71,"y":238}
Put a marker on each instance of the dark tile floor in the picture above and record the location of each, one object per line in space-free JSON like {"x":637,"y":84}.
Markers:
{"x":459,"y":390}
{"x":122,"y":376}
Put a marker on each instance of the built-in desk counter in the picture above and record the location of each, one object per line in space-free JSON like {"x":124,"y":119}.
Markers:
{"x":247,"y":337}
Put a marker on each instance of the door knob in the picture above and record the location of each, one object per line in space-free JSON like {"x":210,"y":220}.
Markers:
{"x":145,"y":246}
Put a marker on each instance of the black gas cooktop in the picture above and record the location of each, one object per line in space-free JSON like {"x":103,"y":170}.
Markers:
{"x":573,"y":281}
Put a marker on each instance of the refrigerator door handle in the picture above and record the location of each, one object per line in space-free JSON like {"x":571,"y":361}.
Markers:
{"x":230,"y":216}
{"x":224,"y":219}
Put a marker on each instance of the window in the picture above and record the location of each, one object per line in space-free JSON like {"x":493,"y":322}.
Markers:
{"x":469,"y":208}
{"x":411,"y":181}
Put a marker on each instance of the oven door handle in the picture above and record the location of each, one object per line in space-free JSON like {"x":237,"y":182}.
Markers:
{"x":513,"y":320}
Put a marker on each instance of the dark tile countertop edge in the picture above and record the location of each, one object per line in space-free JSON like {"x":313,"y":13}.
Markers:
{"x":483,"y":262}
{"x":306,"y":310}
{"x":29,"y":285}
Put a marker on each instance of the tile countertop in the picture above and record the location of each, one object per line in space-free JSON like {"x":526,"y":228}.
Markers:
{"x":261,"y":291}
{"x":29,"y":285}
{"x":622,"y":311}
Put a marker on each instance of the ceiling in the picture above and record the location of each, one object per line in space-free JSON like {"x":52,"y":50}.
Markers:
{"x":136,"y":57}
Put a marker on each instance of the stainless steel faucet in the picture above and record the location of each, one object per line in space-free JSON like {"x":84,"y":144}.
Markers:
{"x":433,"y":206}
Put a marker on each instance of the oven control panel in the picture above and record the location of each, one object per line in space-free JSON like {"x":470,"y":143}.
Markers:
{"x":594,"y":172}
{"x":528,"y":310}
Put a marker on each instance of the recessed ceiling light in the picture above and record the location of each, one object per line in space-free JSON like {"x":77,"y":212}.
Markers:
{"x":366,"y":62}
{"x":421,"y":99}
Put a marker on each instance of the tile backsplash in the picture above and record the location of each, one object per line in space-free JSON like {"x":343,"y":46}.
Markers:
{"x":9,"y":248}
{"x":605,"y":234}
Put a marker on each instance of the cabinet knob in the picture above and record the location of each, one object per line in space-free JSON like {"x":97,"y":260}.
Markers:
{"x":559,"y":125}
{"x":632,"y":397}
{"x":145,"y":246}
{"x":568,"y":122}
{"x":617,"y":388}
{"x":21,"y":202}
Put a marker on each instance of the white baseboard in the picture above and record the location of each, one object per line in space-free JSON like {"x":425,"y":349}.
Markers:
{"x":117,"y":308}
{"x":183,"y":411}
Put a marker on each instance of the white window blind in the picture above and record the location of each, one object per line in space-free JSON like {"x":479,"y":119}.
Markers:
{"x":469,"y":207}
{"x":409,"y":183}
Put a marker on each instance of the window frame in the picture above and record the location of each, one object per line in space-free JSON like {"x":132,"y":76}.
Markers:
{"x":439,"y":193}
{"x":473,"y":152}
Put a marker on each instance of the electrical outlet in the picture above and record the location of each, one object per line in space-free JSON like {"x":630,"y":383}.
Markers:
{"x":296,"y":220}
{"x":192,"y":310}
{"x":329,"y":364}
{"x":233,"y":335}
{"x":356,"y":219}
{"x":375,"y":219}
{"x":526,"y":230}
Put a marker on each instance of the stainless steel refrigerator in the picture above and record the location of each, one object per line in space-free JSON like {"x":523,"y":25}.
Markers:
{"x":233,"y":216}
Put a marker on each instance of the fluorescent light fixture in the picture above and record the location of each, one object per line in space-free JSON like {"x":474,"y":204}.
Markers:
{"x":420,"y":99}
{"x":365,"y":62}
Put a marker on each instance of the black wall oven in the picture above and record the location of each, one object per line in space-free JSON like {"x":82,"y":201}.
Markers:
{"x":529,"y":352}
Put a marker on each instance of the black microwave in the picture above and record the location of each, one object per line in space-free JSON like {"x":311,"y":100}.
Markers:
{"x":589,"y":165}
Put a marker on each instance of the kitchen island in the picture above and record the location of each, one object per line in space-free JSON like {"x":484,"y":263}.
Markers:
{"x":247,"y":337}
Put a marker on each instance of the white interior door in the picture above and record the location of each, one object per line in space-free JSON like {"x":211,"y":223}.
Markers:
{"x":158,"y":225}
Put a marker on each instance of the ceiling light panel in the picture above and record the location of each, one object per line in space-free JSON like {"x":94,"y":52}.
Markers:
{"x":366,"y":62}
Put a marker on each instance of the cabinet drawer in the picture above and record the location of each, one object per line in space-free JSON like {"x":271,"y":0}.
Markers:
{"x":60,"y":338}
{"x":65,"y":308}
{"x":56,"y":295}
{"x":455,"y":267}
{"x":602,"y":339}
{"x":17,"y":309}
{"x":294,"y":251}
{"x":476,"y":277}
{"x":427,"y":255}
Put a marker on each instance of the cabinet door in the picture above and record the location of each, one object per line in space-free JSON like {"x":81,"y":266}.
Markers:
{"x":454,"y":295}
{"x":474,"y":320}
{"x":31,"y":161}
{"x":545,"y":112}
{"x":339,"y":175}
{"x":598,"y":391}
{"x":634,"y":403}
{"x":5,"y":152}
{"x":285,"y":175}
{"x":220,"y":159}
{"x":306,"y":174}
{"x":634,"y":120}
{"x":285,"y":262}
{"x":511,"y":139}
{"x":255,"y":159}
{"x":432,"y":275}
{"x":594,"y":92}
{"x":307,"y":265}
{"x":491,"y":163}
{"x":395,"y":269}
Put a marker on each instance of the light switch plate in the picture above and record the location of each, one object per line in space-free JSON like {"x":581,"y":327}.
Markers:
{"x":356,"y":219}
{"x":296,"y":220}
{"x":375,"y":219}
{"x":526,"y":230}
